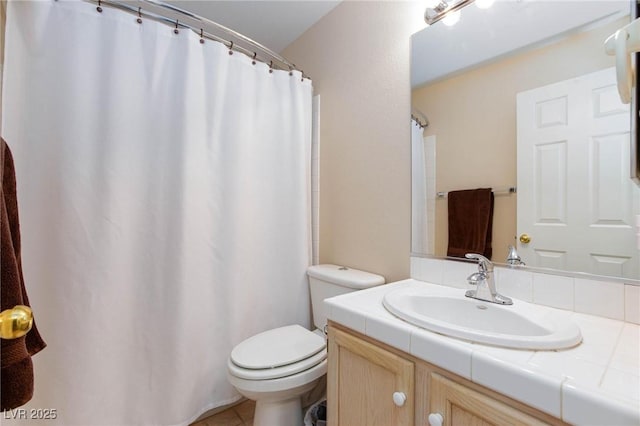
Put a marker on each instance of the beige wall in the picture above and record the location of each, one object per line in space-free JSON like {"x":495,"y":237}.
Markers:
{"x":358,"y":58}
{"x":473,"y":116}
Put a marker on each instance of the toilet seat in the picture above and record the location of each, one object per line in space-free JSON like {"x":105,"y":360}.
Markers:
{"x":277,"y":372}
{"x":277,"y":353}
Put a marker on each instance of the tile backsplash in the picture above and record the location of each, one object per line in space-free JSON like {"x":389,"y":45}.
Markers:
{"x":614,"y":300}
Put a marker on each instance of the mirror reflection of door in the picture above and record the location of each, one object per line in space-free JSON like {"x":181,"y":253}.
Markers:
{"x":579,"y":214}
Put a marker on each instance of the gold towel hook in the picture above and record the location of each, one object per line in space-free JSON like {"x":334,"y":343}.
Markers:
{"x":16,"y":322}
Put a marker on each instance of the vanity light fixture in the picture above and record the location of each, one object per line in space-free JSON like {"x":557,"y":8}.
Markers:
{"x":442,"y":9}
{"x":452,"y":18}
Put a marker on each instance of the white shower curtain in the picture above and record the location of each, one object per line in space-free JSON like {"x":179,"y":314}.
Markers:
{"x":419,"y":222}
{"x":164,"y":196}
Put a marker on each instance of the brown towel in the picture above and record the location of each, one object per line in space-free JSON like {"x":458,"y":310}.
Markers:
{"x":470,"y":222}
{"x":16,"y":373}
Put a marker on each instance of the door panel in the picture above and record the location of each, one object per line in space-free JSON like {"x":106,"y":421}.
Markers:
{"x":575,"y":198}
{"x":459,"y":405}
{"x":361,"y":383}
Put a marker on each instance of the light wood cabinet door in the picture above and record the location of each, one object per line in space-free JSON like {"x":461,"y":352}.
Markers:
{"x":459,"y":405}
{"x":362,"y":381}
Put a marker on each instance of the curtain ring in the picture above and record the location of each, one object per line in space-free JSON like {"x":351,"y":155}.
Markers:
{"x":290,"y":70}
{"x":302,"y":72}
{"x":270,"y":67}
{"x":254,"y":58}
{"x":176,"y":31}
{"x":139,"y":20}
{"x":201,"y":36}
{"x":99,"y":8}
{"x":231,"y":48}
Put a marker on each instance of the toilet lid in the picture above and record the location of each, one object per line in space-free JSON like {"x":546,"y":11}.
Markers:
{"x":305,"y":365}
{"x":277,"y":347}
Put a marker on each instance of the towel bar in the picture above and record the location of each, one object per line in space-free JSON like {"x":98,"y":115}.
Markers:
{"x":509,"y":190}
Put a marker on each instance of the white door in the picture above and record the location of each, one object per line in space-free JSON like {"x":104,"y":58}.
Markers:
{"x":575,"y":198}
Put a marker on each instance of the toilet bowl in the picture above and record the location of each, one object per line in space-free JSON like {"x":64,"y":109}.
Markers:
{"x":277,"y":367}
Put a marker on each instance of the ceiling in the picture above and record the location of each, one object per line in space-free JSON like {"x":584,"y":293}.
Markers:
{"x":274,"y":24}
{"x":480,"y":36}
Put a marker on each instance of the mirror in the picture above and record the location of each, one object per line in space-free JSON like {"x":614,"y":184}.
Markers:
{"x":465,"y":83}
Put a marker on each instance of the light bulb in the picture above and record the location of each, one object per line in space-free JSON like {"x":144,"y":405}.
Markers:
{"x":452,"y":18}
{"x":484,"y":4}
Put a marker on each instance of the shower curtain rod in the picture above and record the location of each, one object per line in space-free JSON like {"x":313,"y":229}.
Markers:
{"x":419,"y":117}
{"x":423,"y":125}
{"x":180,"y":18}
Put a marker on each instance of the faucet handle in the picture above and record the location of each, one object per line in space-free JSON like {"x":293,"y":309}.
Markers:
{"x":513,"y":258}
{"x":484,"y":264}
{"x":476,"y":277}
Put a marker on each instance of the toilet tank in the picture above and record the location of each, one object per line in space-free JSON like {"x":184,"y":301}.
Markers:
{"x":332,"y":280}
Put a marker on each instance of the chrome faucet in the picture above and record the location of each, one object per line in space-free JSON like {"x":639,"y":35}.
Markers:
{"x":513,"y":259}
{"x":484,"y":282}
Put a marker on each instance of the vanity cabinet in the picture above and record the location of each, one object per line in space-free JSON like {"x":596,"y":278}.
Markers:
{"x":366,"y":384}
{"x":370,"y":383}
{"x":459,"y":405}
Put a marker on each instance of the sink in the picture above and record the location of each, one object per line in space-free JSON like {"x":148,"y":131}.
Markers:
{"x":521,"y":325}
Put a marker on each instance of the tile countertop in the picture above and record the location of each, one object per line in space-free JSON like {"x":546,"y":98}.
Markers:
{"x":595,"y":383}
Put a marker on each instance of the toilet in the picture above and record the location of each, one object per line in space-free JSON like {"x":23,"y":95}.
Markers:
{"x":277,"y":367}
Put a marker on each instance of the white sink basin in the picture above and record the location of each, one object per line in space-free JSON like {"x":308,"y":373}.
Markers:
{"x":521,"y":325}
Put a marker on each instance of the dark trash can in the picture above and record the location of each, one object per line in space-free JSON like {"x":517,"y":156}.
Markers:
{"x":316,"y":414}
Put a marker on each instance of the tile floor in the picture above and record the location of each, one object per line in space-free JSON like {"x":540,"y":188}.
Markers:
{"x":238,"y":415}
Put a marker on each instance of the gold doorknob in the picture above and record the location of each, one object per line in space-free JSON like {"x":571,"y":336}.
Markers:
{"x":15,"y":322}
{"x":525,"y":239}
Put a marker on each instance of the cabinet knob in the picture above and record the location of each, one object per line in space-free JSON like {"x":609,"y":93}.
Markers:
{"x":435,"y":419}
{"x":399,"y":398}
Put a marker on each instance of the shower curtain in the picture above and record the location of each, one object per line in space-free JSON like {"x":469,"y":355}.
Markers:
{"x":419,"y":233}
{"x":164,"y":194}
